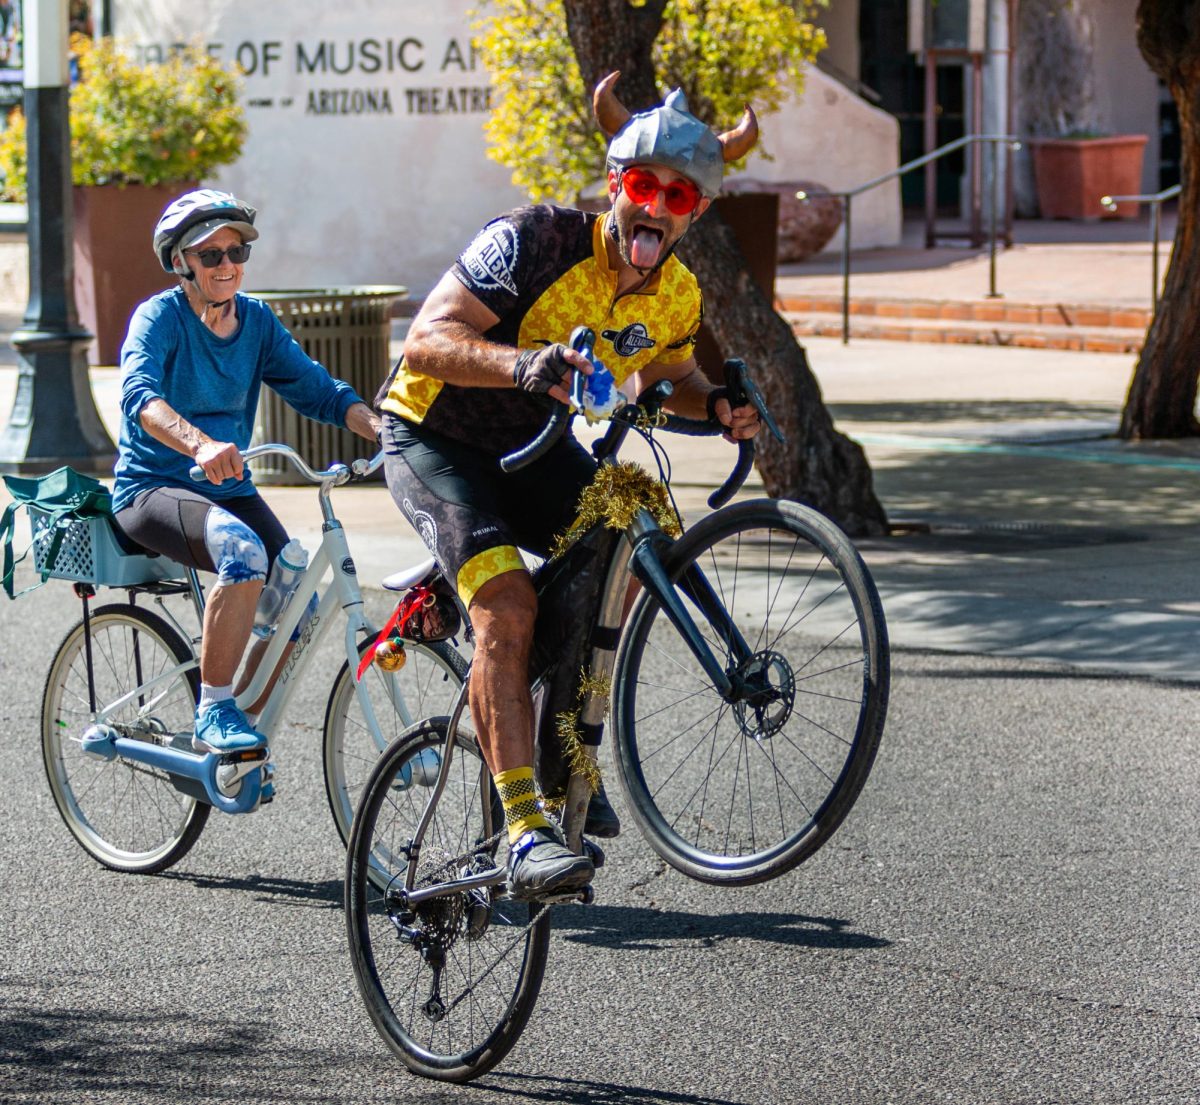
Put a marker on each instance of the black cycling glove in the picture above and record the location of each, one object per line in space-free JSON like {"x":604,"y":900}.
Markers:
{"x":710,"y":402}
{"x":538,"y":370}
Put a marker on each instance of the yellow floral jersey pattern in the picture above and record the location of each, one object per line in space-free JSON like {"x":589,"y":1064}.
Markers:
{"x":543,"y":271}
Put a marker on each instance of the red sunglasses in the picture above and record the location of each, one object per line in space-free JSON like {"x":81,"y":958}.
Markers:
{"x":641,"y":186}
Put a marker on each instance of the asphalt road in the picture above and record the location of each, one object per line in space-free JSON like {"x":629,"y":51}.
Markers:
{"x":1007,"y":916}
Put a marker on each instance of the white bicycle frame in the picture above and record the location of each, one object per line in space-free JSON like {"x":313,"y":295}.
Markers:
{"x":343,"y":590}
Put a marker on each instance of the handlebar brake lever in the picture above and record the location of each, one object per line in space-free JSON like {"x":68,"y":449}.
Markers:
{"x":743,"y":390}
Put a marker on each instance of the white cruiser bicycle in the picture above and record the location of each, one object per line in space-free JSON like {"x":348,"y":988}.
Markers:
{"x":120,"y":696}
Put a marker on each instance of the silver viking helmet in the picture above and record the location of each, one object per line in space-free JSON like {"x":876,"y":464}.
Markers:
{"x":670,"y":135}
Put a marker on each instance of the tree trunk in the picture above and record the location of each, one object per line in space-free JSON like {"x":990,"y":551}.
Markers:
{"x":816,"y":465}
{"x":1162,"y":396}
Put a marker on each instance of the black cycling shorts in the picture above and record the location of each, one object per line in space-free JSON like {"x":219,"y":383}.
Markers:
{"x":472,"y":516}
{"x":170,"y":521}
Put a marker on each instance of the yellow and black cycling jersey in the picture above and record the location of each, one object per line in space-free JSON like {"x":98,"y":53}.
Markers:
{"x":544,"y":270}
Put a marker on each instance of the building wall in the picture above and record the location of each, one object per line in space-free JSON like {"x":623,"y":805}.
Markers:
{"x":375,"y":174}
{"x":1126,"y":87}
{"x":828,"y":135}
{"x":366,"y":156}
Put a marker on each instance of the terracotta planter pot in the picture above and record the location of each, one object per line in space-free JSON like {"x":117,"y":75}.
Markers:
{"x":115,"y":266}
{"x":1073,"y":174}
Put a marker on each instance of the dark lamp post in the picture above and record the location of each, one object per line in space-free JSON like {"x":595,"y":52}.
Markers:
{"x":54,"y":420}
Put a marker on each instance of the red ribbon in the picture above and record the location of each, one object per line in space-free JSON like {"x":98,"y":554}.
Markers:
{"x":405,"y":609}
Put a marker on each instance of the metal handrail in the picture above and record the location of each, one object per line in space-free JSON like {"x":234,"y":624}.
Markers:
{"x":994,"y":139}
{"x":1155,"y":200}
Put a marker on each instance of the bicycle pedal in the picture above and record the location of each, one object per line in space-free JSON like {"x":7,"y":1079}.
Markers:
{"x":249,"y":756}
{"x":584,"y":896}
{"x":267,"y":793}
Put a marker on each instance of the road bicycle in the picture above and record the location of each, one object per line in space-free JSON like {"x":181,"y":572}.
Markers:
{"x":748,"y":688}
{"x":119,"y":701}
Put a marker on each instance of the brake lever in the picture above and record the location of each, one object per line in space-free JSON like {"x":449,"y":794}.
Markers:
{"x":743,"y":390}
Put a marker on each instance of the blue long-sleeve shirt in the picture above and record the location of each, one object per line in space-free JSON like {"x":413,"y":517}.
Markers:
{"x":214,"y":383}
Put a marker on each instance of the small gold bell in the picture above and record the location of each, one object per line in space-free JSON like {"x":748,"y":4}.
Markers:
{"x":390,"y":655}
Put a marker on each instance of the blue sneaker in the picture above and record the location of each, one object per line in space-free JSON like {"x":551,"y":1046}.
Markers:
{"x":224,"y":728}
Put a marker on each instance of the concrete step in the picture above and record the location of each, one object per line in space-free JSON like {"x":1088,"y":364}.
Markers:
{"x":997,"y":310}
{"x":954,"y":329}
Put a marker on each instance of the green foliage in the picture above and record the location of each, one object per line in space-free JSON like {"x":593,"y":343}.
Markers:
{"x":722,"y":53}
{"x":140,"y":124}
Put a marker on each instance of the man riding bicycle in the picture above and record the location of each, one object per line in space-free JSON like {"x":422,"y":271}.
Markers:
{"x":485,"y":349}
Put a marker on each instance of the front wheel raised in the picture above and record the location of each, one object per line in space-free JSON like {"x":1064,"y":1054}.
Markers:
{"x":741,"y":788}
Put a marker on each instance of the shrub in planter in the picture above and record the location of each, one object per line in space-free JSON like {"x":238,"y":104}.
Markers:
{"x":140,"y":135}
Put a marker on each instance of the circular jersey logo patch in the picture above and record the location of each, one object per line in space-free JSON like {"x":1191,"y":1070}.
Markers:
{"x":630,"y":341}
{"x":492,"y":256}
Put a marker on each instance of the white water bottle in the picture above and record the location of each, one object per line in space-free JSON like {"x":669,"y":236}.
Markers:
{"x":285,"y":574}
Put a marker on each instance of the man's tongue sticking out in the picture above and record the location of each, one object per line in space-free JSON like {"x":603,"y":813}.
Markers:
{"x":644,"y":247}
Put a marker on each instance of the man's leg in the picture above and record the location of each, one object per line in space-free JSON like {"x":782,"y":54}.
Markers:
{"x":503,"y":612}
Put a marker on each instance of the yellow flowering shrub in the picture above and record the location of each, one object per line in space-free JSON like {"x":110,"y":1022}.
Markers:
{"x":140,"y":124}
{"x":722,"y":53}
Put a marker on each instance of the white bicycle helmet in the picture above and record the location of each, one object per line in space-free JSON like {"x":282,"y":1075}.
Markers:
{"x":192,"y":218}
{"x":672,"y":136}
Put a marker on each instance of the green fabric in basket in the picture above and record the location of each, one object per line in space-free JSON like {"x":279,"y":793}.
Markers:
{"x":63,"y":495}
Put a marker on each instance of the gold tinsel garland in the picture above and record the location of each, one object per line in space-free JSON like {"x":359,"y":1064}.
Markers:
{"x":614,"y":497}
{"x":567,"y":726}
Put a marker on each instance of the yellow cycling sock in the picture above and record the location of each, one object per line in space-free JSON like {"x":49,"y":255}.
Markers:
{"x":519,"y":797}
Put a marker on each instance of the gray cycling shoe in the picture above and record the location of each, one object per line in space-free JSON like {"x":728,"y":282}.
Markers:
{"x":541,"y":865}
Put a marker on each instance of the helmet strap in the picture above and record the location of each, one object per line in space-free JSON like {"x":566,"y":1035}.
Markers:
{"x":207,"y":303}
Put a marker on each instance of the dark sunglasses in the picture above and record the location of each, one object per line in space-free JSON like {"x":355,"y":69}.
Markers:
{"x":211,"y":258}
{"x":641,"y":186}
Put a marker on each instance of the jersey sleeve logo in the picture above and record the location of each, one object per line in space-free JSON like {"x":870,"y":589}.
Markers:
{"x":492,"y":256}
{"x":630,"y":341}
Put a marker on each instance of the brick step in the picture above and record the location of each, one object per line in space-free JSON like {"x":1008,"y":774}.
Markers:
{"x":973,"y":310}
{"x":1099,"y":339}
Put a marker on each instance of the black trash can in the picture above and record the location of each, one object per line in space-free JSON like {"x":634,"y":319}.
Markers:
{"x":348,"y":331}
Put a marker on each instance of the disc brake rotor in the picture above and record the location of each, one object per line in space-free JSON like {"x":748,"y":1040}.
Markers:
{"x":769,"y":695}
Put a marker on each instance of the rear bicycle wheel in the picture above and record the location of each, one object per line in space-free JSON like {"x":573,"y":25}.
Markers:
{"x":740,"y":791}
{"x":425,"y":687}
{"x":127,"y":815}
{"x":449,"y":984}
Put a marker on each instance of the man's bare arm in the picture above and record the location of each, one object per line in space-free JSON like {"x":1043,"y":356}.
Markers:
{"x":446,"y":342}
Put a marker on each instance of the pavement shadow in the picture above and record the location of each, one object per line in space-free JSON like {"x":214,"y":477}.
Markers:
{"x":571,"y":1091}
{"x":637,"y":928}
{"x":1020,"y":489}
{"x":70,"y":1054}
{"x":266,"y":888}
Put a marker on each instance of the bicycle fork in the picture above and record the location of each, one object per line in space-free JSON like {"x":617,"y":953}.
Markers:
{"x":647,"y":539}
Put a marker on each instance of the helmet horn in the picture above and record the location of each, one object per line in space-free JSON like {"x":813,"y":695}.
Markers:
{"x":611,"y":114}
{"x":739,"y":141}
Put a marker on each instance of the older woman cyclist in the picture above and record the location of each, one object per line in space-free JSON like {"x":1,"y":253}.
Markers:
{"x":193,"y":363}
